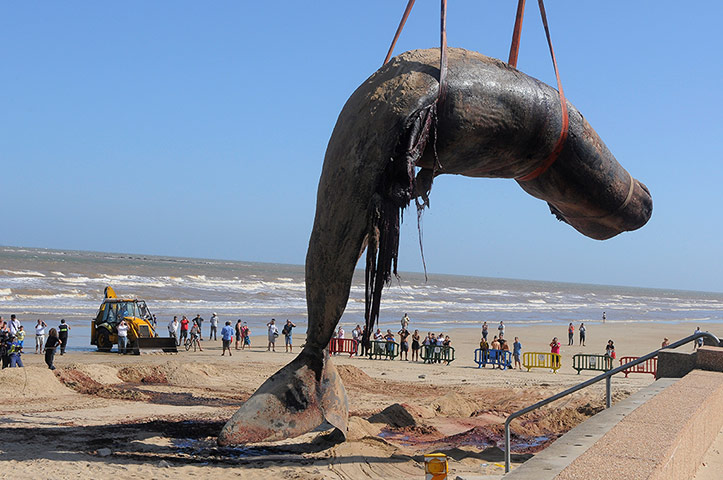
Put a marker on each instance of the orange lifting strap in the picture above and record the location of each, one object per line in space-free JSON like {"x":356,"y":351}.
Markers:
{"x":514,"y":50}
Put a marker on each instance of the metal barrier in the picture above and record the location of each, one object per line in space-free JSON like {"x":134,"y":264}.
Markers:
{"x":601,"y":363}
{"x":437,"y":354}
{"x":497,"y":358}
{"x":605,"y":376}
{"x":379,"y":349}
{"x":541,"y":360}
{"x":648,"y":366}
{"x":343,"y":345}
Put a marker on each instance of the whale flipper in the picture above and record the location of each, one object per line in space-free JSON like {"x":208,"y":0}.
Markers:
{"x":295,"y":400}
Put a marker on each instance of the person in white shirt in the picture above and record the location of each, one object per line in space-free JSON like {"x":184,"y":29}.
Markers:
{"x":173,"y":329}
{"x":14,"y":325}
{"x":40,"y":336}
{"x":122,"y":337}
{"x":340,"y":333}
{"x":214,"y":326}
{"x":273,"y":333}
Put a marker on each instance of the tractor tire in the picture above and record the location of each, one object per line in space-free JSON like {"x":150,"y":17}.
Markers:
{"x":103,"y":341}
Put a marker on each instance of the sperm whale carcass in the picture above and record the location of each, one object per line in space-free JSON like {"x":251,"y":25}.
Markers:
{"x":392,"y":138}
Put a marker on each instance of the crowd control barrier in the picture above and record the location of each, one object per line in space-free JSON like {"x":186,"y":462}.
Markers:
{"x":601,"y":363}
{"x":496,"y":358}
{"x":648,"y":366}
{"x":379,"y":349}
{"x":541,"y":360}
{"x":437,"y":354}
{"x":343,"y":345}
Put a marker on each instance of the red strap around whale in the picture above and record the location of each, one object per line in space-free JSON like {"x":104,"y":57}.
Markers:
{"x":514,"y":49}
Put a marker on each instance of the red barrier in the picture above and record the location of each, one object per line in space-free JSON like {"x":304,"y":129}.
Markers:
{"x":343,"y":345}
{"x":648,"y":366}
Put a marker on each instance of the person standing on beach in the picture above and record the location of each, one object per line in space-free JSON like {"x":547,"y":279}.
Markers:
{"x":226,"y":338}
{"x":14,"y":325}
{"x":555,"y":348}
{"x":485,"y":330}
{"x":603,"y":317}
{"x":4,"y":344}
{"x":404,"y":344}
{"x":516,"y":353}
{"x":582,"y":334}
{"x":184,"y":330}
{"x":501,"y":328}
{"x":405,"y":321}
{"x":122,"y":337}
{"x":415,"y":346}
{"x":63,"y":331}
{"x":195,"y":334}
{"x":570,"y":334}
{"x":39,"y":336}
{"x":273,"y":333}
{"x":199,"y":322}
{"x":214,"y":327}
{"x":246,"y":332}
{"x":15,"y":351}
{"x":173,"y":330}
{"x":665,"y":343}
{"x":237,"y":328}
{"x":50,"y":345}
{"x":287,"y":331}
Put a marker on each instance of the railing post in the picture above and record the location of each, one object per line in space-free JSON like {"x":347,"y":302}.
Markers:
{"x":608,"y":396}
{"x":508,"y":455}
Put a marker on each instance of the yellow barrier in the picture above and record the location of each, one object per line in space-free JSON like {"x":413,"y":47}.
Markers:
{"x":541,"y":360}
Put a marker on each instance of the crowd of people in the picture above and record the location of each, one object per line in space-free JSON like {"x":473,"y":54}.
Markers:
{"x":12,"y":341}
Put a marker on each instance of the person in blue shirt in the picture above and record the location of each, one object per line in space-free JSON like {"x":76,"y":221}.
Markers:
{"x":227,"y":338}
{"x":516,"y":352}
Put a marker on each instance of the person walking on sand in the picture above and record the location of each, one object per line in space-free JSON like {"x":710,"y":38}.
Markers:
{"x":122,"y":337}
{"x":50,"y":346}
{"x":173,"y":329}
{"x":582,"y":334}
{"x":570,"y":334}
{"x":273,"y":333}
{"x":39,"y":336}
{"x":214,"y":327}
{"x":287,"y":331}
{"x":485,"y":330}
{"x":63,"y":331}
{"x":226,"y":338}
{"x":517,"y":353}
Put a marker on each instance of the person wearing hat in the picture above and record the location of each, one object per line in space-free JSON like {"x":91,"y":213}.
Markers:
{"x":214,"y":327}
{"x":666,"y":342}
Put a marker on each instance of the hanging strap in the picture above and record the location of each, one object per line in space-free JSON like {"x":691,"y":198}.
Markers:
{"x":563,"y":103}
{"x":515,"y":45}
{"x":410,"y":4}
{"x":443,"y":45}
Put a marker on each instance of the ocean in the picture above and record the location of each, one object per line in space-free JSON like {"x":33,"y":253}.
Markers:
{"x":55,"y":284}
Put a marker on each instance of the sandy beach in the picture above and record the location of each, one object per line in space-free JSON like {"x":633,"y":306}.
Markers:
{"x":157,"y":415}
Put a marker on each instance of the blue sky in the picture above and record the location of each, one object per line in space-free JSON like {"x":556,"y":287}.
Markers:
{"x":205,"y":124}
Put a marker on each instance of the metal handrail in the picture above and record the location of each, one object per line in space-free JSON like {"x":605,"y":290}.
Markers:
{"x":605,"y":376}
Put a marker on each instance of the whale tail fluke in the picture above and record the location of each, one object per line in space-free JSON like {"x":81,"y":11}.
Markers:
{"x":295,"y":400}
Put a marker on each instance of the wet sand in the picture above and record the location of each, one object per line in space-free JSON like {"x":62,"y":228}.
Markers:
{"x":157,"y":415}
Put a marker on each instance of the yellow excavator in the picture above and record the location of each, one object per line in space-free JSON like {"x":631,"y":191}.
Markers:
{"x":141,"y":333}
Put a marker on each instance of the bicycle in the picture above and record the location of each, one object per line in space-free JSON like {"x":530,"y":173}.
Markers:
{"x":189,"y":342}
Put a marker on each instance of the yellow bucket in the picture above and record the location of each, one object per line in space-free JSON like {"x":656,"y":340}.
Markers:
{"x":435,"y":466}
